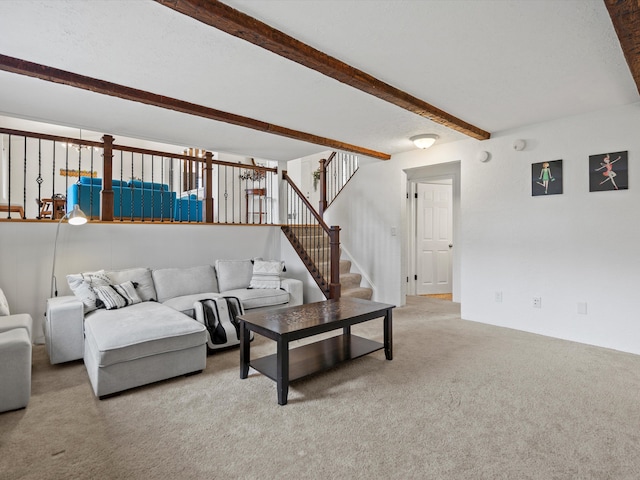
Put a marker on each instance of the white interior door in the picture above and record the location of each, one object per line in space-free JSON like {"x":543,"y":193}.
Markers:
{"x":434,"y":238}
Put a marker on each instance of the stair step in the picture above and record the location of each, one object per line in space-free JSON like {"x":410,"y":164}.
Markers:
{"x":345,"y":266}
{"x":359,"y":292}
{"x":350,"y":280}
{"x":311,"y":238}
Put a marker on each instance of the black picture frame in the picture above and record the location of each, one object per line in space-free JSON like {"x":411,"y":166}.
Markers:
{"x":609,"y":172}
{"x":546,"y":178}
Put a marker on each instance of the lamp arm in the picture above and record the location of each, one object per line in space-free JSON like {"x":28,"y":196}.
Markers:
{"x":54,"y":282}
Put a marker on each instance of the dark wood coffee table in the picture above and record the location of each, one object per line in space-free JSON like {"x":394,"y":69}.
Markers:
{"x":293,"y":323}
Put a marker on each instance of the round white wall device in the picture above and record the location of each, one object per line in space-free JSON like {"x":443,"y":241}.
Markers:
{"x":519,"y":145}
{"x":483,"y":156}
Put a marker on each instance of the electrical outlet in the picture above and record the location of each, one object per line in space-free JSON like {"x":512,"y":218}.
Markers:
{"x":582,"y":308}
{"x":498,"y":297}
{"x":537,"y":302}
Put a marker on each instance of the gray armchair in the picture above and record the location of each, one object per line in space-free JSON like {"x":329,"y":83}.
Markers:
{"x":15,"y":358}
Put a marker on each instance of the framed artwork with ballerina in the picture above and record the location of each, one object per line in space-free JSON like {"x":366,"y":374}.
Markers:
{"x":546,"y":178}
{"x":609,"y":171}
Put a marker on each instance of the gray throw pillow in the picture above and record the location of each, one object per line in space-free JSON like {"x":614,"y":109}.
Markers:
{"x":138,"y":275}
{"x":233,"y":274}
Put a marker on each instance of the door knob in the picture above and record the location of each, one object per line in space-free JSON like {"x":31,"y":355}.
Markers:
{"x":451,"y":245}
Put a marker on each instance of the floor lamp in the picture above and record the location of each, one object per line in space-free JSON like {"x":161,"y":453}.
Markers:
{"x":74,"y":217}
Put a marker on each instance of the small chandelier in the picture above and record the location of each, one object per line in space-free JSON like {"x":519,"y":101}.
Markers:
{"x":194,"y":152}
{"x":79,"y":147}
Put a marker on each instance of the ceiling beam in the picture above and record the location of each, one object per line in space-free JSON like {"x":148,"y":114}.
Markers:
{"x":241,"y":25}
{"x":51,"y":74}
{"x":625,"y":15}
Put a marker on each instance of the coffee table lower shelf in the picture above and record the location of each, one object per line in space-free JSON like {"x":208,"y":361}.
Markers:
{"x":317,"y":357}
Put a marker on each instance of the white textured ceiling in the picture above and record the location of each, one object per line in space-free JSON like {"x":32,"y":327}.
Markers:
{"x":497,"y":64}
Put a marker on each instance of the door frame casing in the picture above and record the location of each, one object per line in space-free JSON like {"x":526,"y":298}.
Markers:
{"x":432,"y":174}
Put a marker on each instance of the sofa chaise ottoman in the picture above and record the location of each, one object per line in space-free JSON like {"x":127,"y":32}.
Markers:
{"x":154,"y":335}
{"x":150,"y":343}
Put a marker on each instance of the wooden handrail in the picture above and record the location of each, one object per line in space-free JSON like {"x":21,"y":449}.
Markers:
{"x":326,"y":196}
{"x":53,"y":138}
{"x":126,"y":148}
{"x":180,"y":156}
{"x":304,"y":200}
{"x":329,"y":160}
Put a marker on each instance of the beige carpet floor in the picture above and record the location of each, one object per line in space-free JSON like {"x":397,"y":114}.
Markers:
{"x":460,"y":400}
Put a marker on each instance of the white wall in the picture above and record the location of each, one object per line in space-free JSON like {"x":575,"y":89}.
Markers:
{"x":367,"y":208}
{"x":26,"y":250}
{"x":569,"y":248}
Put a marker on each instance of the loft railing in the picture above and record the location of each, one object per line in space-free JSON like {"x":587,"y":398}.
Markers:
{"x":42,"y":176}
{"x":335,"y":173}
{"x":317,"y":244}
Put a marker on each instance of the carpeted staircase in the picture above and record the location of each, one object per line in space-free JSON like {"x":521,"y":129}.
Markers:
{"x":350,"y":282}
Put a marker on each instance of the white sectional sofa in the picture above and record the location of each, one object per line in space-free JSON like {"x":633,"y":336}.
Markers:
{"x":157,"y":336}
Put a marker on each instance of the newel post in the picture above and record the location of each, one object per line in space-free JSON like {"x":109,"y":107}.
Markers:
{"x":323,"y":186}
{"x":106,"y":194}
{"x":334,"y":242}
{"x":208,"y":187}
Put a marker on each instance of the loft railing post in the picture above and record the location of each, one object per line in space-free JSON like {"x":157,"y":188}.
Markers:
{"x":283,"y":195}
{"x":334,"y":242}
{"x":106,"y":199}
{"x":323,"y":186}
{"x":208,"y":190}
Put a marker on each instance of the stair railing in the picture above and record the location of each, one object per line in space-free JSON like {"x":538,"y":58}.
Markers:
{"x":317,"y":244}
{"x":112,"y":182}
{"x":335,"y":173}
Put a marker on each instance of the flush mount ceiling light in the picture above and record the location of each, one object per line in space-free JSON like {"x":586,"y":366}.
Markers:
{"x":425,"y":140}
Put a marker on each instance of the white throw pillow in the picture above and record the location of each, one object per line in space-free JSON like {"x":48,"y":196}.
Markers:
{"x":266,"y":274}
{"x":116,"y":296}
{"x":83,"y":284}
{"x":4,"y":305}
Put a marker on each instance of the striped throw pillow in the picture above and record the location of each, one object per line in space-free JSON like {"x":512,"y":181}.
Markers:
{"x":117,"y":296}
{"x":83,"y":286}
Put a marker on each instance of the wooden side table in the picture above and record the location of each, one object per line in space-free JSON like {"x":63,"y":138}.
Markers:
{"x":13,"y":209}
{"x":53,"y":208}
{"x":254,"y":192}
